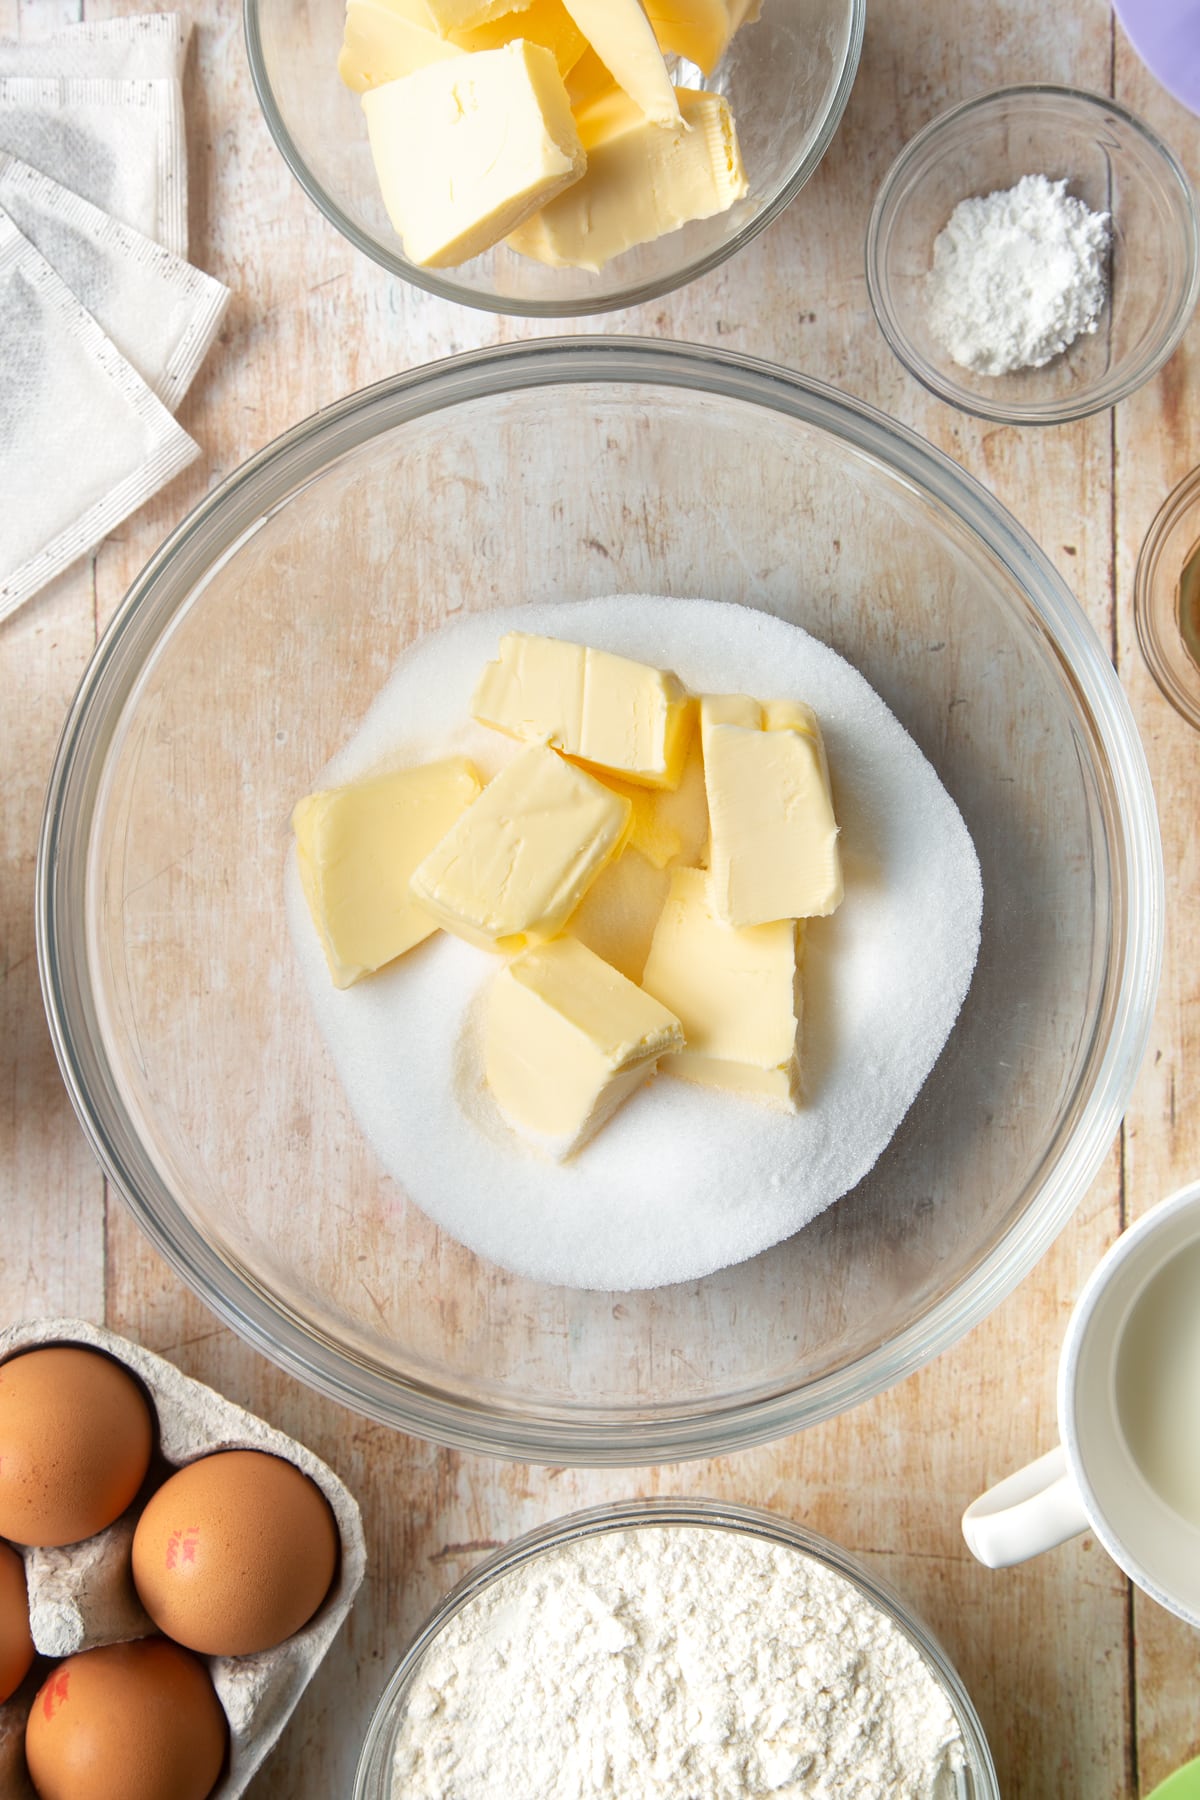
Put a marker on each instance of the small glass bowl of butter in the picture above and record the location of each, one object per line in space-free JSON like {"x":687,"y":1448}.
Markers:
{"x":779,"y":84}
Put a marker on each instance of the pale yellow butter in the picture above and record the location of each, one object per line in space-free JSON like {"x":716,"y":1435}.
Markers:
{"x":516,"y":865}
{"x":669,"y":825}
{"x":773,"y":834}
{"x":736,"y":992}
{"x":699,"y":30}
{"x":380,"y":44}
{"x":545,"y":22}
{"x":587,"y":80}
{"x":608,"y":711}
{"x":642,"y":180}
{"x":567,"y":1040}
{"x":617,"y":916}
{"x":466,"y":149}
{"x":445,"y":16}
{"x":357,"y":847}
{"x":622,"y":37}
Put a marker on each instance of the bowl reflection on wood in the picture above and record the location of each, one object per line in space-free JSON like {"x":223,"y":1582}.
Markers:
{"x":248,"y":651}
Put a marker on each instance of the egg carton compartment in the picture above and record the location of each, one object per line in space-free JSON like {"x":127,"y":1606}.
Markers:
{"x":83,"y":1595}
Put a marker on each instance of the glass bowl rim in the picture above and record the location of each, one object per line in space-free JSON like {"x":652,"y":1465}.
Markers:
{"x":212,"y":532}
{"x":636,"y":293}
{"x":1184,"y":495}
{"x":687,"y":1512}
{"x":1050,"y":412}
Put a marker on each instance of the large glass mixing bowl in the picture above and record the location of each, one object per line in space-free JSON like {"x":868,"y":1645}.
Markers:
{"x":249,"y":649}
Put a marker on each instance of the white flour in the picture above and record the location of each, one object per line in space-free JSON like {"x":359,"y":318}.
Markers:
{"x":1017,"y":276}
{"x":675,"y":1663}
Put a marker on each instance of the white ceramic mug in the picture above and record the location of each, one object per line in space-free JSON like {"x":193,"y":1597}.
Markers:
{"x":1128,"y":1465}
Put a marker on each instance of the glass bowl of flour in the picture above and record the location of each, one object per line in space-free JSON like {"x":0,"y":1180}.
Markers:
{"x":690,"y":1281}
{"x":1033,"y":255}
{"x":686,"y":1649}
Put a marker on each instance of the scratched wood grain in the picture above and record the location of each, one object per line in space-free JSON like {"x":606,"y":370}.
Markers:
{"x":1087,"y":1691}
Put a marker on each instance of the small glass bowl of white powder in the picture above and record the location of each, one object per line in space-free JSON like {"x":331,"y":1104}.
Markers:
{"x":674,"y":1650}
{"x":1034,"y":255}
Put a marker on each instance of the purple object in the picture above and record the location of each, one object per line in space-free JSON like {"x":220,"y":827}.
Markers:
{"x":1166,"y":35}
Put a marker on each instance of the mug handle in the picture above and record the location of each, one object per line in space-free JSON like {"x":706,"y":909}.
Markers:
{"x":1035,"y":1509}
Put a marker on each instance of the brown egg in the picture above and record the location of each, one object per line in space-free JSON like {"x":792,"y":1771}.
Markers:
{"x":75,"y":1439}
{"x":134,"y":1721}
{"x":16,"y":1645}
{"x":234,"y":1553}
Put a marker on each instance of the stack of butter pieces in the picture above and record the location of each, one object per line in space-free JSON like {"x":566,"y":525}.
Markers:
{"x":551,"y":124}
{"x":103,"y":323}
{"x":644,"y":863}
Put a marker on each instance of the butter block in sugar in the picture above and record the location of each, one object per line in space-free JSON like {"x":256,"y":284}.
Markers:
{"x":466,"y":149}
{"x":642,"y":180}
{"x":518,"y":862}
{"x":617,"y":915}
{"x":774,"y":835}
{"x":568,"y":1039}
{"x":618,"y":716}
{"x":83,"y":1596}
{"x":736,"y":992}
{"x":356,"y":849}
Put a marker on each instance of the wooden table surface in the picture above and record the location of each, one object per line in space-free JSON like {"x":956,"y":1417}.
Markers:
{"x":1086,"y":1688}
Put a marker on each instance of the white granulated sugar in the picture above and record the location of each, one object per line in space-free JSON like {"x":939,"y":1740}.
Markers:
{"x":683,"y":1180}
{"x":1017,"y":276}
{"x":675,"y":1663}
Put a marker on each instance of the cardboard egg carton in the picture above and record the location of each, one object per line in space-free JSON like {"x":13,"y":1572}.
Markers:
{"x":83,"y":1595}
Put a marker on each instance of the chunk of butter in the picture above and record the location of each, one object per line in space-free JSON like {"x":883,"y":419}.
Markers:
{"x":735,"y":990}
{"x":466,"y":149}
{"x":445,"y":16}
{"x":587,"y":79}
{"x":622,"y":37}
{"x":379,"y":44}
{"x":515,"y":866}
{"x":699,"y":30}
{"x":567,"y":1040}
{"x":357,"y":847}
{"x":774,"y":838}
{"x":545,"y":22}
{"x":669,"y":825}
{"x":605,"y":710}
{"x":617,"y":915}
{"x":642,"y":180}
